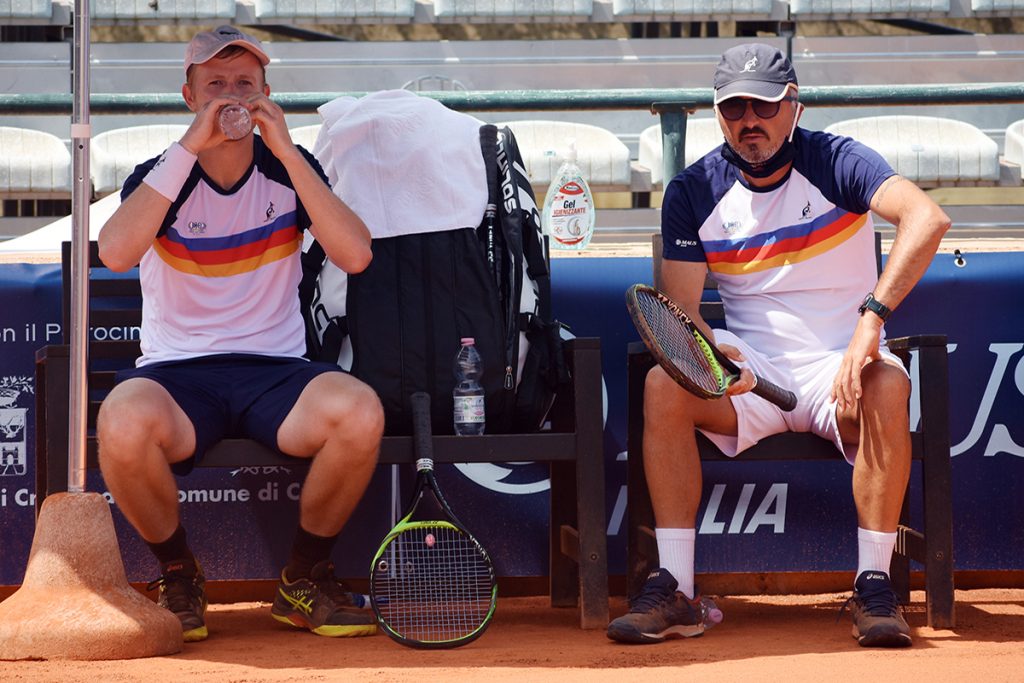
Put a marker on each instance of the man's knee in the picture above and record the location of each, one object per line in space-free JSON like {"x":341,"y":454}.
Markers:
{"x":886,"y":388}
{"x":128,"y":422}
{"x":661,"y":391}
{"x":351,"y":408}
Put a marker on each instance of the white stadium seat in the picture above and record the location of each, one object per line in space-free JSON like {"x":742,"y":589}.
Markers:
{"x":115,"y":153}
{"x":181,"y":10}
{"x":865,"y":8}
{"x":998,"y":8}
{"x":682,"y":10}
{"x":929,"y":150}
{"x":33,"y":165}
{"x":496,"y":10}
{"x":25,"y":9}
{"x":305,"y":136}
{"x":601,"y":156}
{"x":702,"y":136}
{"x":334,"y":10}
{"x":1014,"y":146}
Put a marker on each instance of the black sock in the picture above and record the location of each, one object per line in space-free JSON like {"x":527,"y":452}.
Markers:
{"x":174,"y":550}
{"x":307,"y":551}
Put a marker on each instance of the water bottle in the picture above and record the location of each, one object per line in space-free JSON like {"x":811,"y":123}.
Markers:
{"x":468,"y":393}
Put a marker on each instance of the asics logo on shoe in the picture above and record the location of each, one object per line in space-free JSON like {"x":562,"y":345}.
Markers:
{"x":176,"y":567}
{"x":302,"y":604}
{"x":875,"y":576}
{"x":653,"y":575}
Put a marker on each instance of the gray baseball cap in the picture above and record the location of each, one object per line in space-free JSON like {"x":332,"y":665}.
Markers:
{"x":206,"y":45}
{"x":753,"y":70}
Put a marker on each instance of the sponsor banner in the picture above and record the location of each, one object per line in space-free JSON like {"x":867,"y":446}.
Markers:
{"x":754,"y":517}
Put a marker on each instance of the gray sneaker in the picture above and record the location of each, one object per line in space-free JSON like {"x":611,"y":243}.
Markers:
{"x":660,"y":612}
{"x":877,"y":621}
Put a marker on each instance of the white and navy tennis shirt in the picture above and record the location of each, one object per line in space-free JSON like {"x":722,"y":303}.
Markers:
{"x":793,"y":261}
{"x":223,"y":271}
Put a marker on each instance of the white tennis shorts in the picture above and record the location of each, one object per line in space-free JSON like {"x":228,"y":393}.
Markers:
{"x":810,"y":378}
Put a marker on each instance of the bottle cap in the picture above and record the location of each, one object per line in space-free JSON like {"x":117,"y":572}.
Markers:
{"x":571,"y":156}
{"x":467,"y":340}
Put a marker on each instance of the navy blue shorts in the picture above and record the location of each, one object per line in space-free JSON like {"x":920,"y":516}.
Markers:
{"x":232,"y":395}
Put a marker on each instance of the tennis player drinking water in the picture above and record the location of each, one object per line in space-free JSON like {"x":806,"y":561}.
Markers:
{"x":781,"y":216}
{"x":217,"y":223}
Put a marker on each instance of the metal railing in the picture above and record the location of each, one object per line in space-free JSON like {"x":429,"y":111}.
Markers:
{"x":671,"y":104}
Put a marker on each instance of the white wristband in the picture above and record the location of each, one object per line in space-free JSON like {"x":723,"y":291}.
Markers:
{"x":171,"y":171}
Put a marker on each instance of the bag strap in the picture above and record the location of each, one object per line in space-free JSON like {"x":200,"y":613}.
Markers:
{"x":531,"y":245}
{"x":312,"y":263}
{"x":488,"y":147}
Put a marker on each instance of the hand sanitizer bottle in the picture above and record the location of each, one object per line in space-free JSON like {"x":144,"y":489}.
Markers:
{"x":569,"y":207}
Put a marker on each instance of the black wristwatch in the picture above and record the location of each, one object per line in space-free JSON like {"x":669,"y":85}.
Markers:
{"x":875,"y":306}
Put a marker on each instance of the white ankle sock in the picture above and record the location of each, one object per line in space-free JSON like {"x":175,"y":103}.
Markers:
{"x":675,"y":550}
{"x":874,"y":550}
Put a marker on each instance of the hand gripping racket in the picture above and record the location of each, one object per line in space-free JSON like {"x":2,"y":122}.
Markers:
{"x":682,"y":350}
{"x":432,"y":584}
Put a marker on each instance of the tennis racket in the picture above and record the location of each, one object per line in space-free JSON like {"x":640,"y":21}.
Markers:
{"x":682,"y":350}
{"x":432,"y":584}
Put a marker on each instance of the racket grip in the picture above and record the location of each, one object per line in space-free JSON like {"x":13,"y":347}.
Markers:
{"x":770,"y":391}
{"x":422,"y":438}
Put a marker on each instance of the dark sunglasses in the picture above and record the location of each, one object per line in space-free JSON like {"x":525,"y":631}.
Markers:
{"x":734,"y":108}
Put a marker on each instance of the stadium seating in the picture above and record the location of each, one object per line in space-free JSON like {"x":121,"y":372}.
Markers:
{"x":433,"y":83}
{"x":164,"y":10}
{"x":688,"y":10}
{"x":841,"y":9}
{"x":601,"y":156}
{"x":517,"y":10}
{"x":999,"y":8}
{"x":928,"y":150}
{"x":17,"y":10}
{"x":285,"y":12}
{"x":1014,"y":146}
{"x":702,"y":136}
{"x":330,"y":11}
{"x":116,"y":153}
{"x":305,"y":136}
{"x":33,"y":165}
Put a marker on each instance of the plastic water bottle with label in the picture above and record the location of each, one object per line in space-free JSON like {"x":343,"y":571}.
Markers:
{"x":468,"y":393}
{"x":569,"y":207}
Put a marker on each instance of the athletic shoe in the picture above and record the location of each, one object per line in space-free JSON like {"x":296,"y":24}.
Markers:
{"x":660,"y":612}
{"x":321,"y":604}
{"x":877,"y":621}
{"x":183,"y":593}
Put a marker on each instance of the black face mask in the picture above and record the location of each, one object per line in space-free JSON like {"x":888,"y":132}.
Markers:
{"x":765,"y":168}
{"x":784,"y":155}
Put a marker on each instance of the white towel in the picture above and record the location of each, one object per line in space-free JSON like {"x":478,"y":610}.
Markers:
{"x":404,"y":163}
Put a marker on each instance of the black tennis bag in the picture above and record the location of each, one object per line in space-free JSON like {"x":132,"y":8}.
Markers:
{"x":397,"y":325}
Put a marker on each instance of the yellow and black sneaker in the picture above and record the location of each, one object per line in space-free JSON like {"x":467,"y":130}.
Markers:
{"x":322,"y":604}
{"x":183,"y":593}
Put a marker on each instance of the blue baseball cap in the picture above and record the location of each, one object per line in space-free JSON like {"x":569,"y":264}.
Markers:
{"x":753,"y":70}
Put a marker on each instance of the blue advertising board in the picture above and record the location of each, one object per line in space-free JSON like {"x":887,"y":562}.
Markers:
{"x":755,"y":517}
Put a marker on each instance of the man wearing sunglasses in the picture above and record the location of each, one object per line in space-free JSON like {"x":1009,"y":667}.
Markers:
{"x":781,"y":216}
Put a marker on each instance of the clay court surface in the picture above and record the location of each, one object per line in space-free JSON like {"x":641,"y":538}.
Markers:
{"x":763,"y":638}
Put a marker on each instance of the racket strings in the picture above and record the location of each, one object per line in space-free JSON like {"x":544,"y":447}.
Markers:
{"x":687,"y":351}
{"x":437,"y":585}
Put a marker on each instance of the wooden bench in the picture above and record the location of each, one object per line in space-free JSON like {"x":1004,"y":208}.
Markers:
{"x":573,"y":448}
{"x":932,"y":546}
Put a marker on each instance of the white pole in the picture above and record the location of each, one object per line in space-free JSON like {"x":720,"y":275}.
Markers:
{"x":81,"y":192}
